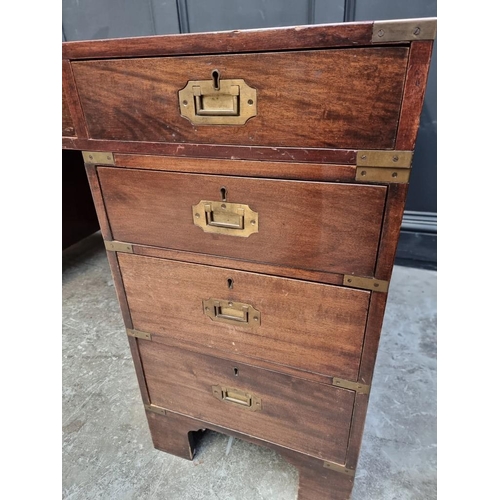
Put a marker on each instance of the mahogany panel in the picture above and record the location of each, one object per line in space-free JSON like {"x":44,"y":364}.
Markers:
{"x":268,"y":39}
{"x":357,"y":107}
{"x":309,"y":225}
{"x":273,"y":170}
{"x":310,"y":326}
{"x":68,"y":129}
{"x":311,"y":418}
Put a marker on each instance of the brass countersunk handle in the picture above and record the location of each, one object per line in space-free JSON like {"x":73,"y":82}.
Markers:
{"x":233,"y":313}
{"x":221,"y":217}
{"x":237,"y":397}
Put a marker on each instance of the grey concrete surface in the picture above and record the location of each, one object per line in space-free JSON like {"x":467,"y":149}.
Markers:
{"x":107,"y":450}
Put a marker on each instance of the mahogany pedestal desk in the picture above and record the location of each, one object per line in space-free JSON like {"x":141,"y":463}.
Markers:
{"x":250,"y":187}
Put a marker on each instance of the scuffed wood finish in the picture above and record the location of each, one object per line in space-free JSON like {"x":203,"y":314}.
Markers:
{"x":414,"y":93}
{"x":240,"y":358}
{"x":310,"y":326}
{"x":261,"y":153}
{"x":308,"y":225}
{"x":242,"y":265}
{"x":68,"y":129}
{"x":273,"y":170}
{"x":391,"y":227}
{"x":300,"y":415}
{"x":358,"y":107}
{"x":178,"y":435}
{"x":289,"y":38}
{"x":70,"y":93}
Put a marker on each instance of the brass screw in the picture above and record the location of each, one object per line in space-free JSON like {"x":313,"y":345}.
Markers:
{"x":394,"y":174}
{"x":363,"y":157}
{"x":349,"y":280}
{"x":185,"y":103}
{"x":375,"y":285}
{"x":363,"y":172}
{"x":255,"y":318}
{"x":395,"y":158}
{"x":417,"y":31}
{"x":230,"y":304}
{"x":207,"y":309}
{"x":381,"y":33}
{"x":91,"y":157}
{"x":250,"y":102}
{"x":108,"y":157}
{"x":223,"y":206}
{"x":197,"y":216}
{"x":252,"y":222}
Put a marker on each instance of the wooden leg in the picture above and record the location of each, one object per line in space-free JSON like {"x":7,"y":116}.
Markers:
{"x":173,"y":434}
{"x":318,"y":483}
{"x":177,"y":434}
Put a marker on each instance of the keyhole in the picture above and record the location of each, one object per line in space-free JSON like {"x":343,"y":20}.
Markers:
{"x":223,"y":193}
{"x":216,"y":79}
{"x":235,"y":372}
{"x":230,"y":283}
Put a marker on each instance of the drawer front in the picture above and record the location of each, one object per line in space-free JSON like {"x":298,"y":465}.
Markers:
{"x":308,"y":225}
{"x":301,"y":415}
{"x":343,"y":98}
{"x":309,"y":326}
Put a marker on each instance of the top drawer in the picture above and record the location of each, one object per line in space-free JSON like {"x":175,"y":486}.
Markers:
{"x":337,"y":98}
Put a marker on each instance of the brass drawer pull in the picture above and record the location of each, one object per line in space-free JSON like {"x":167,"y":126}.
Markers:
{"x":233,"y":313}
{"x":218,"y":102}
{"x":237,"y":397}
{"x":233,"y":219}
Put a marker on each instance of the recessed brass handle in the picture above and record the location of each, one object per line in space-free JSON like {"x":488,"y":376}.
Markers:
{"x":233,"y":313}
{"x":233,"y":219}
{"x":237,"y":397}
{"x":217,"y":101}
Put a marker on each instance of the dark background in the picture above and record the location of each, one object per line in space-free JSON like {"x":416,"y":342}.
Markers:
{"x":94,"y":19}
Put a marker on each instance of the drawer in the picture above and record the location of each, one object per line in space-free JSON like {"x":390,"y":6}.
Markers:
{"x":317,"y":226}
{"x":304,"y":416}
{"x":337,"y":98}
{"x":310,"y":326}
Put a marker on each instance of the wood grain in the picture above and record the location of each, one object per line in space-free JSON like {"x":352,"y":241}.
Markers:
{"x":242,"y":265}
{"x":288,"y":38}
{"x":391,"y":227}
{"x":273,"y":170}
{"x":177,"y":434}
{"x":300,"y":415}
{"x":73,"y":102}
{"x":261,"y":153}
{"x":137,"y":99}
{"x":309,"y":326}
{"x":308,"y":225}
{"x":100,"y":209}
{"x":68,"y":129}
{"x":240,"y":358}
{"x":414,"y":93}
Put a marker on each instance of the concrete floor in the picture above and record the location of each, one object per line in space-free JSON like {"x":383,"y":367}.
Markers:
{"x":107,"y":450}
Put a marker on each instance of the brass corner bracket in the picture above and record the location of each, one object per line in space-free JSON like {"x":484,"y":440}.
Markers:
{"x":383,"y":166}
{"x":404,"y":30}
{"x":339,"y":468}
{"x":155,"y":409}
{"x":372,"y":284}
{"x":118,"y":246}
{"x":352,"y":386}
{"x":138,"y":334}
{"x":98,"y":158}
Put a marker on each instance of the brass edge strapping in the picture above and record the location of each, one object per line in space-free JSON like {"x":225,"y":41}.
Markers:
{"x":404,"y":30}
{"x":352,"y":386}
{"x":339,"y":468}
{"x":138,"y":334}
{"x":372,"y":284}
{"x":118,"y":246}
{"x":98,"y":158}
